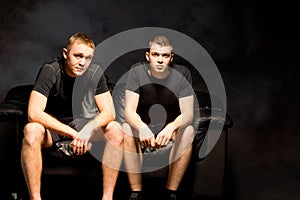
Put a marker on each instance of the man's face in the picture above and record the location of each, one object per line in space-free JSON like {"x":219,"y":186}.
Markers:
{"x":78,"y":58}
{"x":159,"y":58}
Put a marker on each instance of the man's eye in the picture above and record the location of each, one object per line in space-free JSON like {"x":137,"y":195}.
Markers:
{"x":155,"y":54}
{"x":89,"y":58}
{"x":166,"y":55}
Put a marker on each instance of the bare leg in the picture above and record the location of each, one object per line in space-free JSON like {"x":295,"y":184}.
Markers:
{"x":112,"y":158}
{"x":132,"y":158}
{"x":31,"y":157}
{"x":180,"y":157}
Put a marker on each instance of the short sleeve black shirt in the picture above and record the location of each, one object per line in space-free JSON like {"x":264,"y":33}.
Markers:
{"x":163,"y":93}
{"x":67,"y":94}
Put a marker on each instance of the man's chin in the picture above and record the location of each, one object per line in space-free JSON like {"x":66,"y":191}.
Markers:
{"x":78,"y":73}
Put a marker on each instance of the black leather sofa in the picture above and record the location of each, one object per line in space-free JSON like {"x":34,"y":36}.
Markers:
{"x":80,"y":178}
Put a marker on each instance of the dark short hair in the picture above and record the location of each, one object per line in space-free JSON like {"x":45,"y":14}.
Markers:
{"x":161,"y":40}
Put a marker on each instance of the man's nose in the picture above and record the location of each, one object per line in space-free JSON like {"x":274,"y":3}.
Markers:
{"x":82,"y":61}
{"x":160,"y":60}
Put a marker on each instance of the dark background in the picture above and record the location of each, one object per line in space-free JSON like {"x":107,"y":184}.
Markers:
{"x":255,"y":45}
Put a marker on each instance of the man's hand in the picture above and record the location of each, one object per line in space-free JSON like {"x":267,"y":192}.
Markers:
{"x":81,"y":143}
{"x":146,"y":137}
{"x":164,"y":136}
{"x":78,"y":146}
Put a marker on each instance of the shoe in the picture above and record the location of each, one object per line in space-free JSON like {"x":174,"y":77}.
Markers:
{"x":173,"y":197}
{"x":135,"y":196}
{"x":170,"y":196}
{"x":65,"y":147}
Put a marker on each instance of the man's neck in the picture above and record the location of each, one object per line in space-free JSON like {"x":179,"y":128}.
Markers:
{"x":159,"y":75}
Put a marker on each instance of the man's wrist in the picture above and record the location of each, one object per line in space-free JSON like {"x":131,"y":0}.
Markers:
{"x":172,"y":126}
{"x":75,"y":135}
{"x":95,"y":123}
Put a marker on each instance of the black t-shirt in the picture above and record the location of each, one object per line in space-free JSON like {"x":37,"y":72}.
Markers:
{"x":69,"y":96}
{"x":158,"y":100}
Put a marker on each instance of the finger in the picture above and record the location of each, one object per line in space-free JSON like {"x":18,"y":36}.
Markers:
{"x":85,"y":143}
{"x":85,"y":147}
{"x":141,"y":144}
{"x":74,"y":147}
{"x":145,"y":143}
{"x":152,"y":142}
{"x":165,"y":142}
{"x":89,"y":146}
{"x":80,"y":149}
{"x":159,"y":140}
{"x":76,"y":151}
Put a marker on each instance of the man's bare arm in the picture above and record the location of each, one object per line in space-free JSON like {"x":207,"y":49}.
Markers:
{"x":133,"y":119}
{"x":36,"y":113}
{"x":186,"y":105}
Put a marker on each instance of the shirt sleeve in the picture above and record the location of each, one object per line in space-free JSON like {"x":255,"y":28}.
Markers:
{"x":102,"y":86}
{"x":45,"y":80}
{"x":133,"y":83}
{"x":186,"y":88}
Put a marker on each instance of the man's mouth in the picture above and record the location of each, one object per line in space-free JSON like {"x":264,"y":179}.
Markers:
{"x":79,"y":68}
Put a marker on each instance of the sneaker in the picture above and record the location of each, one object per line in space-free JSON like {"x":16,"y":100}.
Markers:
{"x":135,"y":196}
{"x":65,"y":147}
{"x":170,"y":196}
{"x":173,"y":197}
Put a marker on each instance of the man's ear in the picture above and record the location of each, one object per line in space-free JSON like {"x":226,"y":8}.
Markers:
{"x":65,"y":53}
{"x":147,"y":54}
{"x":172,"y":56}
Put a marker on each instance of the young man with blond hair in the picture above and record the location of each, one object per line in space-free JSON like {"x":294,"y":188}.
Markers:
{"x":52,"y":99}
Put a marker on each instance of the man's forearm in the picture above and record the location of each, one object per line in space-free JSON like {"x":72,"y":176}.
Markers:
{"x":103,"y":119}
{"x":134,"y":120}
{"x":54,"y":124}
{"x":181,"y":121}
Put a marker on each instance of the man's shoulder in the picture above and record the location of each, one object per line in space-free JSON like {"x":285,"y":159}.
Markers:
{"x":180,"y":68}
{"x":93,"y":73}
{"x":54,"y":63}
{"x":95,"y":66}
{"x":138,"y":65}
{"x":138,"y":68}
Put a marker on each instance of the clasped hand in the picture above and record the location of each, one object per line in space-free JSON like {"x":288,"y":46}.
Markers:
{"x":162,"y":139}
{"x":81,"y":143}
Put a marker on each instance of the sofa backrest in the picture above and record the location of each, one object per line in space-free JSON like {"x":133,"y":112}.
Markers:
{"x":19,"y":94}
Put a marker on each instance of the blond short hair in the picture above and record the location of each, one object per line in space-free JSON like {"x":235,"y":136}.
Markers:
{"x":82,"y":37}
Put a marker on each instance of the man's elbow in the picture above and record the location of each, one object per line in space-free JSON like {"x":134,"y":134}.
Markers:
{"x":110,"y":115}
{"x":33,"y":116}
{"x":113,"y":116}
{"x":188,"y":117}
{"x":126,"y":116}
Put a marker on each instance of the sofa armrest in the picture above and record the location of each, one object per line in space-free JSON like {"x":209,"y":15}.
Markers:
{"x":205,"y":139}
{"x":12,"y":111}
{"x":14,"y":106}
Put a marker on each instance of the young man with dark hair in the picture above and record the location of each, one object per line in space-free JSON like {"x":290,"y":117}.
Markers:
{"x":159,"y":103}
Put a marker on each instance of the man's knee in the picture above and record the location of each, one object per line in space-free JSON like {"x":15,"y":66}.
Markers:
{"x":129,"y":133}
{"x":187,"y":134}
{"x":114,"y":132}
{"x":33,"y":132}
